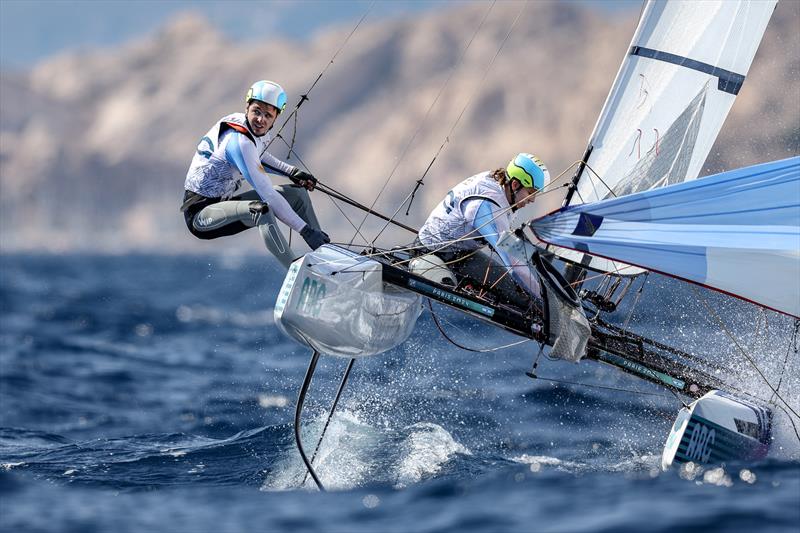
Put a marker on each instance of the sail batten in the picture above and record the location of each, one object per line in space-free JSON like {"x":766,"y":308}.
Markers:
{"x":737,"y":232}
{"x":729,"y":82}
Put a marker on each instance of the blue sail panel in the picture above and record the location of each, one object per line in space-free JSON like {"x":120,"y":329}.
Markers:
{"x":737,"y":232}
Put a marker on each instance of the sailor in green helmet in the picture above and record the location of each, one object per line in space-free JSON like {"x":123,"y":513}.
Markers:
{"x":464,"y":228}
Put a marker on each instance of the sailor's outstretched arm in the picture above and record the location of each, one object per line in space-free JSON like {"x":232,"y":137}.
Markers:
{"x":240,"y":151}
{"x":300,"y":177}
{"x":490,"y":226}
{"x":275,"y":165}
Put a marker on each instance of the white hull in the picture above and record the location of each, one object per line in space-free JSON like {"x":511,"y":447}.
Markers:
{"x":718,"y":428}
{"x":335,"y":302}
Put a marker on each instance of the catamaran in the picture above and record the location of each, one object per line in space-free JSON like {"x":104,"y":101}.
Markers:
{"x":632,"y":205}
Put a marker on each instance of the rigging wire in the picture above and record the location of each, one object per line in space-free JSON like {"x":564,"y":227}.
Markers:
{"x":334,"y":194}
{"x":304,"y":97}
{"x":592,"y":173}
{"x":422,"y":248}
{"x":347,"y":218}
{"x":322,"y":188}
{"x":636,"y":300}
{"x":619,"y":389}
{"x":596,"y":175}
{"x":600,"y":275}
{"x":458,"y":119}
{"x":792,"y":343}
{"x":425,"y":118}
{"x":467,"y":348}
{"x":794,"y":426}
{"x":743,"y":351}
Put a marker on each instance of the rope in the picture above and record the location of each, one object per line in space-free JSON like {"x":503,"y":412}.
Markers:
{"x":463,"y":110}
{"x":636,"y":301}
{"x":425,"y":119}
{"x":304,"y":97}
{"x":743,"y":352}
{"x":467,"y":348}
{"x":632,"y":391}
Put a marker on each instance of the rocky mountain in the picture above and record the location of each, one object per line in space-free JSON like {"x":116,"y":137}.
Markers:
{"x":94,"y":145}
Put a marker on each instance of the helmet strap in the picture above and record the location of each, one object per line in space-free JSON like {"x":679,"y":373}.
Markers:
{"x":511,"y":194}
{"x":249,"y":127}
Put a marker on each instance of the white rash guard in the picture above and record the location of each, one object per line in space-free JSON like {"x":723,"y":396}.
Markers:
{"x":230,"y":146}
{"x":476,"y":207}
{"x":449,"y":224}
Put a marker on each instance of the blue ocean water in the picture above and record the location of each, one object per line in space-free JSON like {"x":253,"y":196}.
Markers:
{"x":155,"y":393}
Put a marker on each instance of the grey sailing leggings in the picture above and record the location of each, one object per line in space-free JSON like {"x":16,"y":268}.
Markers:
{"x":212,"y":219}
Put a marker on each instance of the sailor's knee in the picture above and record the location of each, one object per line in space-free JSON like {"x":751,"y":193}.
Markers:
{"x":197,"y":232}
{"x":197,"y":229}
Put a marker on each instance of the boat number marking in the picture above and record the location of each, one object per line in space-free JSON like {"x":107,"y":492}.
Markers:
{"x":311,"y":295}
{"x":700,"y":443}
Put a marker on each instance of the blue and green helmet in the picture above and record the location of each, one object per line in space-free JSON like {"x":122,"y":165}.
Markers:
{"x":529,"y":170}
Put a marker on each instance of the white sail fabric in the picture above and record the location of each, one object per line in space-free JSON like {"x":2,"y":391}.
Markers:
{"x":737,"y":232}
{"x":684,"y":68}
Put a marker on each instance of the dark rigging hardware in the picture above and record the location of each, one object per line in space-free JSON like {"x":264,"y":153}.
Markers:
{"x":455,"y":124}
{"x":304,"y":97}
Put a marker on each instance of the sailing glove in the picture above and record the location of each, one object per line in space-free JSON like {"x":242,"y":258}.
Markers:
{"x":314,"y":237}
{"x":303,"y":178}
{"x":257,"y":210}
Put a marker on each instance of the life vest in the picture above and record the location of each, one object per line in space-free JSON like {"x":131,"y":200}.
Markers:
{"x":447,"y":222}
{"x":210,"y":174}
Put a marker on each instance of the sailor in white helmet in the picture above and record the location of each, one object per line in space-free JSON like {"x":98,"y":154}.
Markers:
{"x":474,"y":214}
{"x":235,"y":148}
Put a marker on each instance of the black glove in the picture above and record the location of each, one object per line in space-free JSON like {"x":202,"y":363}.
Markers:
{"x":314,"y":237}
{"x":257,"y":210}
{"x":301,"y":177}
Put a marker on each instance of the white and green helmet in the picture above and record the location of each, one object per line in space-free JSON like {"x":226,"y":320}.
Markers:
{"x":268,"y":92}
{"x":529,"y":170}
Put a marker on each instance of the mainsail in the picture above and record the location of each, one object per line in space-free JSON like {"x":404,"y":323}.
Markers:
{"x":685,"y":65}
{"x":737,"y":232}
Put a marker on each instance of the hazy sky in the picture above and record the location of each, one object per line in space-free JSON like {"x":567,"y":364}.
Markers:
{"x":34,"y":29}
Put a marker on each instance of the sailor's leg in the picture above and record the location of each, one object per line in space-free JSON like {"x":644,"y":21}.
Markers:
{"x":274,"y":239}
{"x":220,"y":219}
{"x":484,"y":267}
{"x":300,"y":202}
{"x":271,"y":234}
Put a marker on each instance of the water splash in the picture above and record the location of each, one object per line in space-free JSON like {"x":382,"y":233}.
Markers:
{"x":344,"y":460}
{"x":355,"y":453}
{"x":427,"y":448}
